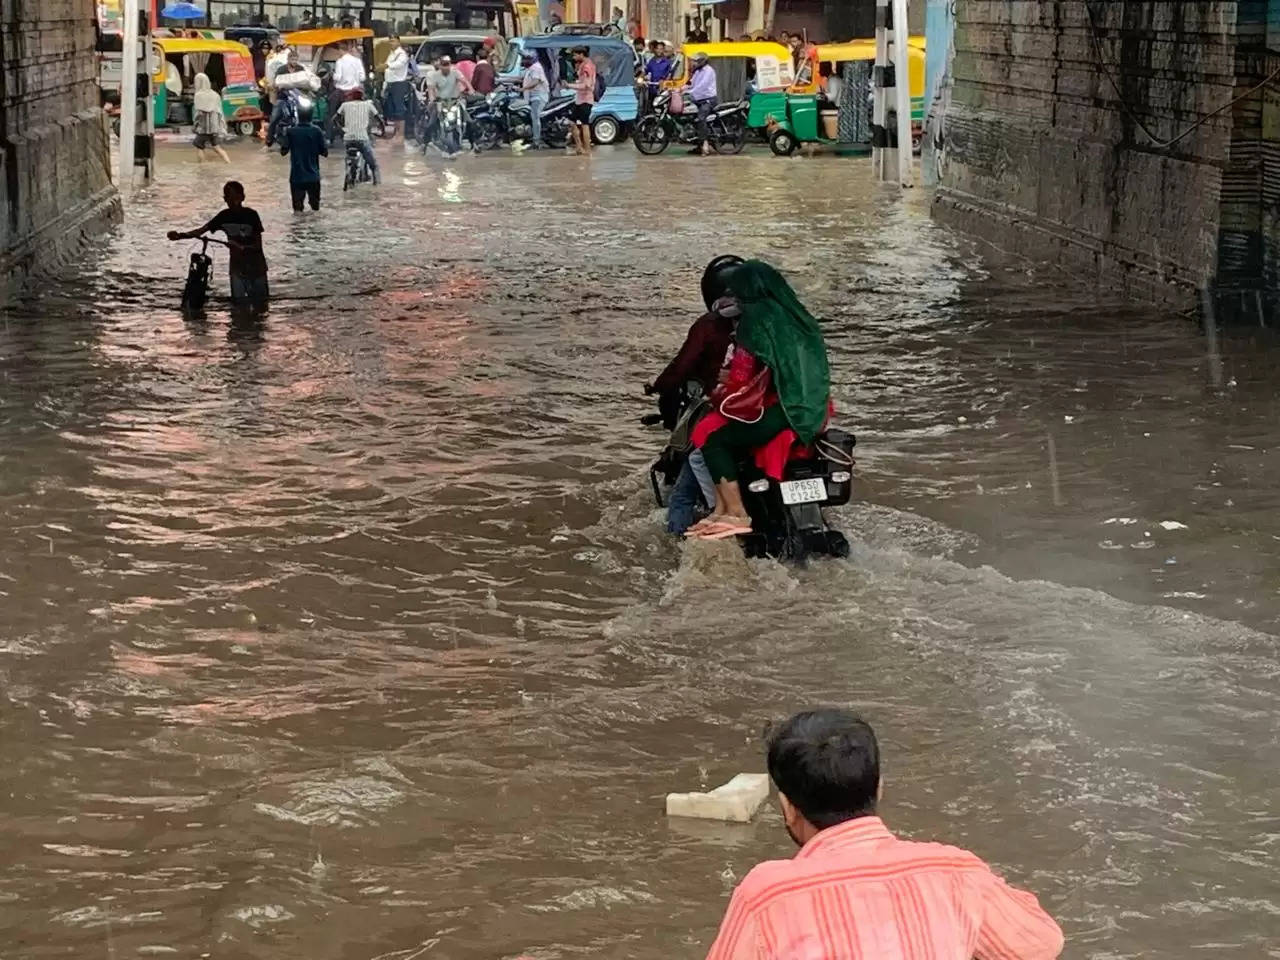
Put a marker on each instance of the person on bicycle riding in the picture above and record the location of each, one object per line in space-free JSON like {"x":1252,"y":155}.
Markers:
{"x":243,"y":228}
{"x":355,"y":116}
{"x":701,"y":89}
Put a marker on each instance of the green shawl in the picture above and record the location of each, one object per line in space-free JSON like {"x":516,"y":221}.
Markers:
{"x":781,"y":333}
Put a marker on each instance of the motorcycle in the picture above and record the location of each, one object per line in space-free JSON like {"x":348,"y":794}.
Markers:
{"x":727,"y":125}
{"x":488,"y":120}
{"x":786,"y":516}
{"x":451,"y":128}
{"x":557,"y":123}
{"x":295,"y":102}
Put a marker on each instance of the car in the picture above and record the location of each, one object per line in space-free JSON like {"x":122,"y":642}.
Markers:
{"x":459,"y":45}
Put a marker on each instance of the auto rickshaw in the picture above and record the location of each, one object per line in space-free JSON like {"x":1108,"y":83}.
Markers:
{"x":758,"y":70}
{"x":807,"y":105}
{"x":320,"y":50}
{"x":229,"y":67}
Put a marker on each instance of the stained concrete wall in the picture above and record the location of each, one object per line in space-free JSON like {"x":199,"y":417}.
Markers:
{"x":1038,"y":151}
{"x":56,"y":187}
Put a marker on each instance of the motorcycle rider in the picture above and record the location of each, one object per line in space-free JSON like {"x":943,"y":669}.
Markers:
{"x":701,"y":89}
{"x":536,"y":92}
{"x":287,"y":96}
{"x":777,"y":393}
{"x":701,"y":358}
{"x":448,"y":86}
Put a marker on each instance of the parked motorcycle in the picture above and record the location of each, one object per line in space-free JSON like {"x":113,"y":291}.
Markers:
{"x":786,"y":516}
{"x":557,"y":123}
{"x":657,"y":130}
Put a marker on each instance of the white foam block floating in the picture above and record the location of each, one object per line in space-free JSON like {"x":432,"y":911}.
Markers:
{"x":736,"y":801}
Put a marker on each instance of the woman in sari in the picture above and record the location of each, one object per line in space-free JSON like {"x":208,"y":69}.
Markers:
{"x":777,"y":393}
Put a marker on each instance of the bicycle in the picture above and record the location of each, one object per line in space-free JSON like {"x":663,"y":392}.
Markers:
{"x":357,"y":168}
{"x":196,"y":291}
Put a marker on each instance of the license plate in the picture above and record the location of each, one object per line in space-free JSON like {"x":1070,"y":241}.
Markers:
{"x":803,"y":491}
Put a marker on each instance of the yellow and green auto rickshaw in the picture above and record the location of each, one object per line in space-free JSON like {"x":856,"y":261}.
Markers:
{"x":757,"y":70}
{"x":229,"y":67}
{"x":811,"y":115}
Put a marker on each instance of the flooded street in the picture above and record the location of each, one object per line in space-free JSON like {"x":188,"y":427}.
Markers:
{"x":356,"y":635}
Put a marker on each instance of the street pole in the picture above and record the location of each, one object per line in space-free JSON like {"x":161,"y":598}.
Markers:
{"x":903,"y":90}
{"x":128,"y":93}
{"x":882,"y":163}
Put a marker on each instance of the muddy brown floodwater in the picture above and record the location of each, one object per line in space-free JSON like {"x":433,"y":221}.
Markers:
{"x":355,"y":634}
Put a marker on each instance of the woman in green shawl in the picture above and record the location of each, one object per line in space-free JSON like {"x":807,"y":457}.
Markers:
{"x":777,"y":393}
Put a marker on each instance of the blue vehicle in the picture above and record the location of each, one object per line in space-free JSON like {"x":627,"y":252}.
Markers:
{"x":616,"y":106}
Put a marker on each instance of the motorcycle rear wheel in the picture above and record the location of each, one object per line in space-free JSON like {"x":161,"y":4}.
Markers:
{"x":651,"y":136}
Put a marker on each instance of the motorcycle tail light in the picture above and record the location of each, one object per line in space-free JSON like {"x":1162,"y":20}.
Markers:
{"x":841,"y":476}
{"x":758,"y":486}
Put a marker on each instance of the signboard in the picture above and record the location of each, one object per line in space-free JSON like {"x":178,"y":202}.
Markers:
{"x":110,"y":14}
{"x":239,"y":70}
{"x":774,"y":74}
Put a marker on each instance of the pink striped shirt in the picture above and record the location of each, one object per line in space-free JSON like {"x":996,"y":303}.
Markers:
{"x":857,"y":892}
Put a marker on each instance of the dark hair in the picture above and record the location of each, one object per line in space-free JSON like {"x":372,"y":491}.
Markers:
{"x":586,"y":52}
{"x":235,"y":186}
{"x":827,"y":763}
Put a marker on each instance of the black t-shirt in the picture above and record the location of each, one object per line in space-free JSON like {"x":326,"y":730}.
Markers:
{"x":304,"y":145}
{"x":242,"y":226}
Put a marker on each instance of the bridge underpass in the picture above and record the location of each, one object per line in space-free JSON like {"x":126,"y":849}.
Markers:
{"x":1134,"y":140}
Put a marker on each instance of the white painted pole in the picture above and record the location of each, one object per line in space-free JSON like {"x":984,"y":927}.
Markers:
{"x":903,"y":90}
{"x":879,"y":135}
{"x":128,"y":93}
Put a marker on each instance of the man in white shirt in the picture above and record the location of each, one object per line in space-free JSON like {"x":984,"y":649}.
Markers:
{"x":348,"y":75}
{"x":395,"y":87}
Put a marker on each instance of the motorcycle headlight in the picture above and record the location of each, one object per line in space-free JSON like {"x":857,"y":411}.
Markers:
{"x":758,"y":486}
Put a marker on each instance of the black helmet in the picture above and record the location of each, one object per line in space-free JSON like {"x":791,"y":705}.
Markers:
{"x":715,"y":279}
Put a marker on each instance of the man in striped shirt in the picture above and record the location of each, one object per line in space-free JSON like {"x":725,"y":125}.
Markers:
{"x":356,"y":116}
{"x":857,"y":892}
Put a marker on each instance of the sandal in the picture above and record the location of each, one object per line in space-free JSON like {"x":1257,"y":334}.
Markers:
{"x":703,"y":524}
{"x":725,"y":528}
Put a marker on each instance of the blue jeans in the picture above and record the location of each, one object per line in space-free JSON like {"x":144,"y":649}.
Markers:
{"x":693,"y":488}
{"x":535,"y":118}
{"x":279,"y":114}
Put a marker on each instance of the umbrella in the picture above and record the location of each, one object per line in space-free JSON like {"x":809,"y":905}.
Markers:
{"x":182,"y":11}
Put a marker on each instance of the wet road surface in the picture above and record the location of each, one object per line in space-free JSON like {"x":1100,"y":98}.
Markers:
{"x":354,"y":634}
